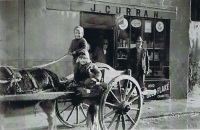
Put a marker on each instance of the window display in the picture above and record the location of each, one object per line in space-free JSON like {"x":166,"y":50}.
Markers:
{"x":155,"y":33}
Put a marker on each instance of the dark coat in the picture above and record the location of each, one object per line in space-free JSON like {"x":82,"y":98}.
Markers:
{"x":145,"y":61}
{"x":99,"y":56}
{"x":83,"y":72}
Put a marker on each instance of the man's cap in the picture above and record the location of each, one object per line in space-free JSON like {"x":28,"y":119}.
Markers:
{"x":105,"y":41}
{"x":83,"y":52}
{"x":139,"y":39}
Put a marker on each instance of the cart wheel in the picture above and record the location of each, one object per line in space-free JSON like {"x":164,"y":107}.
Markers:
{"x":71,"y":112}
{"x":121,"y":104}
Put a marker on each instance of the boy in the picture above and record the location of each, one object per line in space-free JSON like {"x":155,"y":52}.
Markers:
{"x":86,"y":72}
{"x":78,"y":44}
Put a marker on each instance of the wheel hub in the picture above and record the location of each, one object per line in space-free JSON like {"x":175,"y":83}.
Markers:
{"x":123,"y":108}
{"x":127,"y":108}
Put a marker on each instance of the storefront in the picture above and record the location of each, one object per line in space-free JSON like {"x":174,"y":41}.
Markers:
{"x":163,"y":25}
{"x":155,"y":24}
{"x":121,"y":40}
{"x":100,"y":22}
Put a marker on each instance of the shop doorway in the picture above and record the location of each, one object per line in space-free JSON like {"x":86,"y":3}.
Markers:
{"x":96,"y":38}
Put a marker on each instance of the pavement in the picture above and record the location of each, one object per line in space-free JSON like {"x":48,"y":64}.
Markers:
{"x":165,"y":107}
{"x":158,"y":108}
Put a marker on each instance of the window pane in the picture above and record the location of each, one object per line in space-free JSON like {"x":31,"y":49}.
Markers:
{"x":195,"y":10}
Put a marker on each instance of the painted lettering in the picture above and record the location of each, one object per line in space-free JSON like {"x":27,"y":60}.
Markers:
{"x":155,"y":14}
{"x":158,"y":90}
{"x":163,"y":88}
{"x":151,"y":85}
{"x":107,"y":9}
{"x":137,"y":12}
{"x":145,"y":13}
{"x":93,"y":8}
{"x":128,"y":11}
{"x":118,"y":10}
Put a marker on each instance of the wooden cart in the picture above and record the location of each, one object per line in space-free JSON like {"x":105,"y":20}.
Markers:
{"x":120,"y":103}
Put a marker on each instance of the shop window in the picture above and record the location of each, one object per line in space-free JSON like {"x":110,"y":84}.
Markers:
{"x":155,"y":33}
{"x":195,"y":10}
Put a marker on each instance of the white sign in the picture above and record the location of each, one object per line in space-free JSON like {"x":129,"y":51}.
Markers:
{"x":147,"y":26}
{"x":124,"y":25}
{"x":159,"y":26}
{"x":136,"y":23}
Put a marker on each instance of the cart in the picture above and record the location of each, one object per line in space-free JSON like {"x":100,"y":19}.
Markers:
{"x":120,"y":103}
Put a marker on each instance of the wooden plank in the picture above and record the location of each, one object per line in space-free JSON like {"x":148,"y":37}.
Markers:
{"x":36,"y":96}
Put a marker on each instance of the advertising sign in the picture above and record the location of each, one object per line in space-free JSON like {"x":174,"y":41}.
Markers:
{"x":162,"y":89}
{"x":124,"y":25}
{"x":147,"y":28}
{"x":159,"y":26}
{"x":136,"y":23}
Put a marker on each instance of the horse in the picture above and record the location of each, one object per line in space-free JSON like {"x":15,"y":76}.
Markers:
{"x":27,"y":81}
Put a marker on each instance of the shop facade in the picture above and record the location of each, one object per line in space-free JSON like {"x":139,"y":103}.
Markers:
{"x":163,"y":25}
{"x":121,"y":41}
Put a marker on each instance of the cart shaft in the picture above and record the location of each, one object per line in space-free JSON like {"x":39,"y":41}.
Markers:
{"x":36,"y":96}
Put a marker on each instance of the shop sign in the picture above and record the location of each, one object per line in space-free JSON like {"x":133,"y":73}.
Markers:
{"x":159,"y":26}
{"x":147,"y":27}
{"x":162,"y":89}
{"x":126,"y":10}
{"x":124,"y":24}
{"x":136,"y":23}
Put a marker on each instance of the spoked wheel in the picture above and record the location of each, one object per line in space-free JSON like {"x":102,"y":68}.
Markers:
{"x":121,"y":104}
{"x":71,"y":112}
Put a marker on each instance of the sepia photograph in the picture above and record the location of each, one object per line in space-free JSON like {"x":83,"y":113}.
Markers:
{"x":99,"y":64}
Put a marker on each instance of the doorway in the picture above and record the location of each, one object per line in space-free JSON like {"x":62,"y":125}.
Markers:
{"x":95,"y":37}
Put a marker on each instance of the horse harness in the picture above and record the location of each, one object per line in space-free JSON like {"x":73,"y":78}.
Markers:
{"x":14,"y":87}
{"x":35,"y":87}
